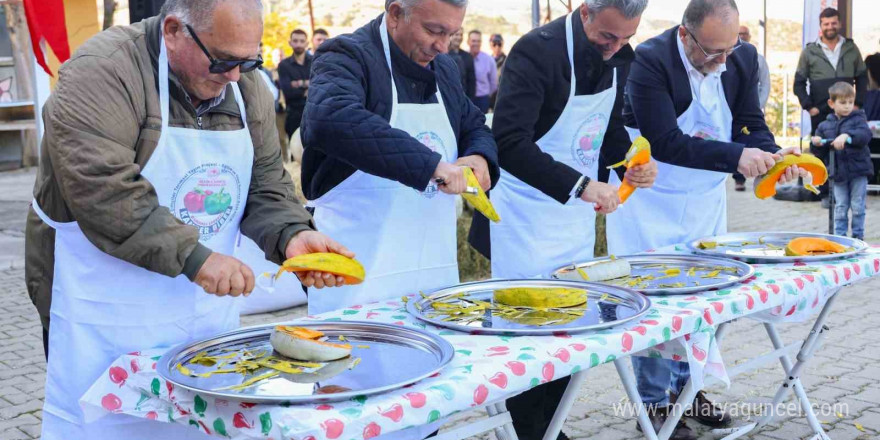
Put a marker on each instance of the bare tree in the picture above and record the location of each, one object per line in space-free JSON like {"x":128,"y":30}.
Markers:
{"x":24,"y":73}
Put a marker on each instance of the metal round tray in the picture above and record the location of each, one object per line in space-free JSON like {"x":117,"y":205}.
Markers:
{"x":752,"y":247}
{"x":380,"y":368}
{"x":694,"y":271}
{"x":619,"y":306}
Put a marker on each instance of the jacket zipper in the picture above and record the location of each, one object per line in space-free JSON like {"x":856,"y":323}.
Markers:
{"x":199,"y":122}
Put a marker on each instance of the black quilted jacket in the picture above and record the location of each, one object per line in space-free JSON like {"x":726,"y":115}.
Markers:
{"x":345,"y":125}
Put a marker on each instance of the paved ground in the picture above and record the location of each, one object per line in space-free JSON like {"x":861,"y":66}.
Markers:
{"x":844,"y":374}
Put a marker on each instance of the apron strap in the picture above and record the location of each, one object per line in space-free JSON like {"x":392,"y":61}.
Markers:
{"x":164,"y":102}
{"x":386,"y":47}
{"x":42,"y":215}
{"x":163,"y":83}
{"x":569,"y":43}
{"x":238,"y":99}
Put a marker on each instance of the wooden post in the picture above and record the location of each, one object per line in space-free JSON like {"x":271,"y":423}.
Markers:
{"x":24,"y":73}
{"x":844,"y":7}
{"x":312,"y":18}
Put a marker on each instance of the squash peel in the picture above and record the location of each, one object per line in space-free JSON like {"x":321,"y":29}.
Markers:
{"x":806,"y":246}
{"x":765,"y":186}
{"x":348,"y":268}
{"x":479,"y":201}
{"x":639,"y":154}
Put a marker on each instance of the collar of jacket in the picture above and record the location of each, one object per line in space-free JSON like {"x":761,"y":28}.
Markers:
{"x":152,"y":29}
{"x":848,"y":45}
{"x":833,"y":116}
{"x":403,"y":65}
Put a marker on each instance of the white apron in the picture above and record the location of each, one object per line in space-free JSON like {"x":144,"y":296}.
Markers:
{"x":405,"y":239}
{"x":103,"y":307}
{"x":538,"y":234}
{"x":684,"y":203}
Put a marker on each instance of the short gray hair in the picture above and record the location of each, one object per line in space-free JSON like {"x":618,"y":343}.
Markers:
{"x":698,"y":10}
{"x":407,"y":5}
{"x":199,"y":13}
{"x":630,"y":9}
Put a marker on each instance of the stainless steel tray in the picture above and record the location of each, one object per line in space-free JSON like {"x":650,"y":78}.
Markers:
{"x":380,"y":368}
{"x":694,"y":271}
{"x":619,"y":306}
{"x":756,"y":249}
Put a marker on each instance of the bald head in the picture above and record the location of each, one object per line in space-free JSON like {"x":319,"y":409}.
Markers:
{"x":745,"y":34}
{"x":697,"y":11}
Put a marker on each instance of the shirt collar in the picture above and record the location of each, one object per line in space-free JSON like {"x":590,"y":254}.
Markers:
{"x":840,"y":40}
{"x":691,"y":70}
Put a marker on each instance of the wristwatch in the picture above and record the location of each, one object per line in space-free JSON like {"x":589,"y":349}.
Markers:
{"x":582,"y":186}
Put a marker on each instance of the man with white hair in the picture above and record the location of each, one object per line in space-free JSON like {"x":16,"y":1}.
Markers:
{"x":693,"y":93}
{"x":558,"y":116}
{"x":387,"y":130}
{"x":160,"y":147}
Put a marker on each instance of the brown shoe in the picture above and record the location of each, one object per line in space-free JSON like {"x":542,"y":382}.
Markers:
{"x":704,"y":412}
{"x":658,"y":416}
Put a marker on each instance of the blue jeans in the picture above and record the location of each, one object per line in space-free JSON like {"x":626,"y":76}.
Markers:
{"x":654,"y":376}
{"x":850,"y":195}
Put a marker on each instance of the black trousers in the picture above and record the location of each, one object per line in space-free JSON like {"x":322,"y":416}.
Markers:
{"x":533,"y":410}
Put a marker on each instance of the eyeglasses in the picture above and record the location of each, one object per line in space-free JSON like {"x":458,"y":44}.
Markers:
{"x":712,"y":56}
{"x":223,"y":66}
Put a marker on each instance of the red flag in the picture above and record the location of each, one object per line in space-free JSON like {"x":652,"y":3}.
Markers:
{"x":45,"y":20}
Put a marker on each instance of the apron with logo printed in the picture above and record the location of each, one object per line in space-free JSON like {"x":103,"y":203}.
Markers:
{"x":684,"y":203}
{"x":538,"y":234}
{"x":104,"y":307}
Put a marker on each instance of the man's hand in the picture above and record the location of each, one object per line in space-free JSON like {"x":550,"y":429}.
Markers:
{"x":839,"y":143}
{"x":309,"y":242}
{"x":223,"y":275}
{"x":755,"y":162}
{"x":452,"y":176}
{"x":603,"y":195}
{"x":814,"y":111}
{"x":641,"y":176}
{"x":793,"y":172}
{"x":816,"y":141}
{"x":480,"y":167}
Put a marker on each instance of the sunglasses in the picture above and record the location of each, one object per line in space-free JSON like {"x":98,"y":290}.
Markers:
{"x":223,"y":66}
{"x":712,"y":56}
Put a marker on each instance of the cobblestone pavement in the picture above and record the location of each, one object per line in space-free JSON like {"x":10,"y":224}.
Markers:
{"x":844,"y":374}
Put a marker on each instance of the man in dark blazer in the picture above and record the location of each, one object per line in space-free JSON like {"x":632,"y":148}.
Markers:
{"x":692,"y":92}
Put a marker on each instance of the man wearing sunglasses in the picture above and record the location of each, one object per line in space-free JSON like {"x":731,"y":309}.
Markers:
{"x":692,"y":92}
{"x":160,"y":148}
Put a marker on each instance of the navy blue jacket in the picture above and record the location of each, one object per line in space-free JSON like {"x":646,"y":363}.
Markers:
{"x":345,"y":125}
{"x":855,"y":159}
{"x":658,"y":92}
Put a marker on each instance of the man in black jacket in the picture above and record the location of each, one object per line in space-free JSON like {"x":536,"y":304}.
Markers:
{"x":552,"y":122}
{"x":692,"y":92}
{"x":293,"y":77}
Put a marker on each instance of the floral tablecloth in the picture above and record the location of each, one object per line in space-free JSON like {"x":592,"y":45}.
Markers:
{"x":485,"y":368}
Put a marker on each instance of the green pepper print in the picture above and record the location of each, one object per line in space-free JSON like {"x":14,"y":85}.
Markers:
{"x":220,"y":427}
{"x":266,"y":423}
{"x":217,"y":203}
{"x":200,"y":406}
{"x":154,"y":386}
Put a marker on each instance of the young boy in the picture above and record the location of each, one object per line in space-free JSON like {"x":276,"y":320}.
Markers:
{"x":846,"y":130}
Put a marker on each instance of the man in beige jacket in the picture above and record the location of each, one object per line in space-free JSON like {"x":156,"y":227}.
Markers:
{"x":160,"y":147}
